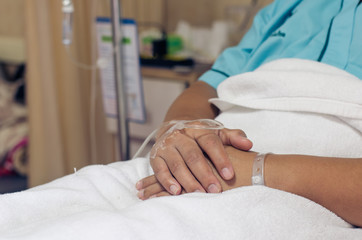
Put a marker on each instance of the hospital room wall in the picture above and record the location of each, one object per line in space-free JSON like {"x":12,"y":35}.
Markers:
{"x":143,"y":10}
{"x":59,"y":92}
{"x":12,"y":31}
{"x":197,"y":12}
{"x":12,"y":24}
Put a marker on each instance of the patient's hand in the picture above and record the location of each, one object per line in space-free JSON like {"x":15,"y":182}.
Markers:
{"x":242,"y":163}
{"x":178,"y":157}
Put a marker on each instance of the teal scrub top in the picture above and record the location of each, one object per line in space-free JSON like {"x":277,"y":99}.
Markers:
{"x":328,"y":31}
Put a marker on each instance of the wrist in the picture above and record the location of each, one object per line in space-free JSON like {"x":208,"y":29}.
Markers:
{"x":242,"y":162}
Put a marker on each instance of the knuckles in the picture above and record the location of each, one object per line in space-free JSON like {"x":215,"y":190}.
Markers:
{"x":176,"y":166}
{"x":209,"y":140}
{"x":159,"y":169}
{"x":192,"y":158}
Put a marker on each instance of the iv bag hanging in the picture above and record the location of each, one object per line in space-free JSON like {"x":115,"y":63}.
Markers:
{"x":68,"y":9}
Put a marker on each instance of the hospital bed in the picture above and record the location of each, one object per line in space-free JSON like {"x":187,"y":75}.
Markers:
{"x":291,"y":98}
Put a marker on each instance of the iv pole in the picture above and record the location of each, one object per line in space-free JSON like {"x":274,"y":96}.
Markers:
{"x":120,"y":86}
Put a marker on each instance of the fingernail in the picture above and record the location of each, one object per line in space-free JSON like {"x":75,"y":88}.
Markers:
{"x":197,"y":191}
{"x":139,"y":185}
{"x":243,"y":135}
{"x":213,"y":189}
{"x":153,"y":196}
{"x":226,"y":173}
{"x":141,"y":193}
{"x":245,"y":139}
{"x":174,"y":189}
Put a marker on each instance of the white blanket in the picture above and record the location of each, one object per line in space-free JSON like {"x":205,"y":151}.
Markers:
{"x":296,"y":106}
{"x":99,"y":202}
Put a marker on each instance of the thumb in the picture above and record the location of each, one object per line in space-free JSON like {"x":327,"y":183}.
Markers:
{"x":236,"y":138}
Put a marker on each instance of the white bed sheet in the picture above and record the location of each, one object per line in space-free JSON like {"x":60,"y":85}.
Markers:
{"x":99,"y":202}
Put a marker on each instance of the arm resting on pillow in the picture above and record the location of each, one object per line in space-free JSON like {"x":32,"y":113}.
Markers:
{"x":334,"y":183}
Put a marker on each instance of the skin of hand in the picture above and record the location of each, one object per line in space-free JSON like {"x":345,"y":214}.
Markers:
{"x":334,"y":183}
{"x":242,"y":162}
{"x":187,"y":162}
{"x":180,"y":163}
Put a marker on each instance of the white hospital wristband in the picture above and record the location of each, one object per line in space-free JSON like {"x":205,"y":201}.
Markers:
{"x":258,"y":169}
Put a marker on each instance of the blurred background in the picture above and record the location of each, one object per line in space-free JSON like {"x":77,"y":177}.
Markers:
{"x":51,"y":111}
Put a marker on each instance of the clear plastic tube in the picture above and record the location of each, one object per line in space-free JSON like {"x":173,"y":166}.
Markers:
{"x":205,"y":124}
{"x":68,"y":10}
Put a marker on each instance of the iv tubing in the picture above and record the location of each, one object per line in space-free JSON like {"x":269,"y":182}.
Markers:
{"x":144,"y":144}
{"x":205,"y":124}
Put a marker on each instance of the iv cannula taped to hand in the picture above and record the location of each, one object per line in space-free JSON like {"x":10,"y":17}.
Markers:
{"x":205,"y":124}
{"x":68,"y":10}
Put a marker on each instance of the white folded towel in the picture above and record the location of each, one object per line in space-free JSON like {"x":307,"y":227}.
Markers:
{"x":295,"y":106}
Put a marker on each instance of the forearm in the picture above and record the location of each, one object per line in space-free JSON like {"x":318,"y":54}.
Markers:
{"x":334,"y":183}
{"x":193,"y":103}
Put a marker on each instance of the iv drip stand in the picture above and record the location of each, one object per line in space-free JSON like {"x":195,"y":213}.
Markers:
{"x":120,"y":86}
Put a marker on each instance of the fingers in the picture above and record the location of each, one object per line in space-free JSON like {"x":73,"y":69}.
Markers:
{"x":155,"y":190}
{"x":236,"y":138}
{"x":201,"y":172}
{"x":152,"y":191}
{"x":179,"y":169}
{"x":179,"y":161}
{"x":145,"y":182}
{"x":214,"y":148}
{"x":149,"y":187}
{"x":164,"y":176}
{"x":213,"y":145}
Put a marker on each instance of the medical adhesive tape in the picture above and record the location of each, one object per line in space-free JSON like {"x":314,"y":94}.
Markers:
{"x":204,"y":124}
